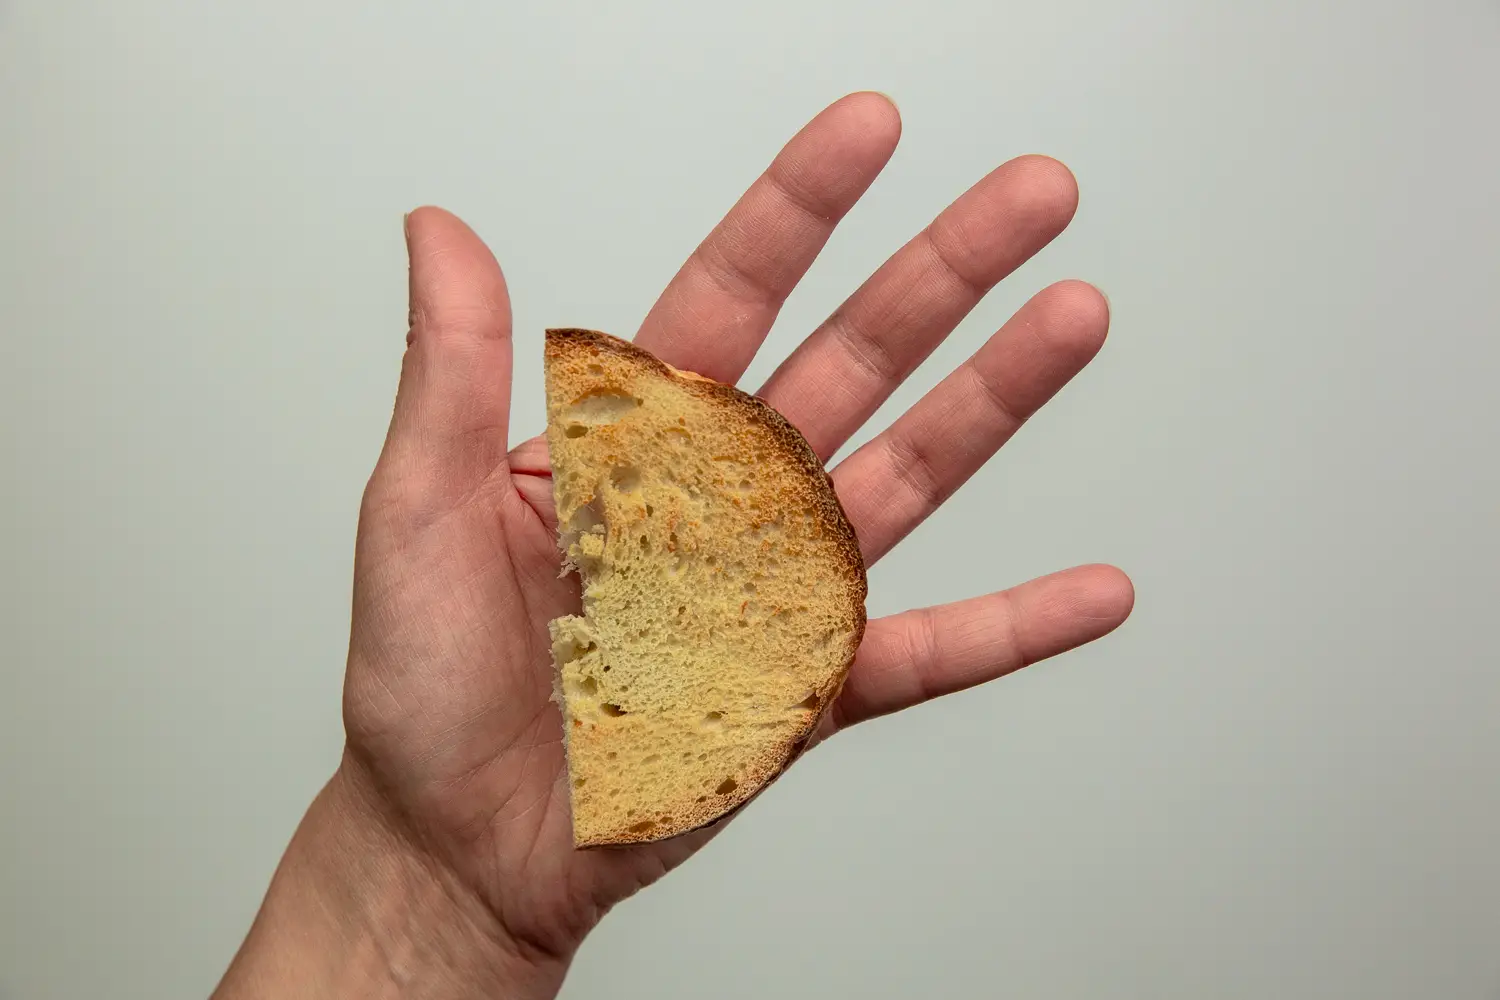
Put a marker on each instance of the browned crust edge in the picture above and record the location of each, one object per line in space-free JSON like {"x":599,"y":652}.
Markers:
{"x":834,"y":520}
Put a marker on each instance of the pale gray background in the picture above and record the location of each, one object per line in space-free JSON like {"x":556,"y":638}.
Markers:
{"x":1280,"y":779}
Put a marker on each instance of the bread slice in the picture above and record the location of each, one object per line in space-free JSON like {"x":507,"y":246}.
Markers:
{"x":723,"y":590}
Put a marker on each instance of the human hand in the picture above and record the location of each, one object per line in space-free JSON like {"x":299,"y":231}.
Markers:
{"x":444,"y":841}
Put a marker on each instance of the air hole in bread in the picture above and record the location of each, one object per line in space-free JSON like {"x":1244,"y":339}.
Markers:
{"x":808,"y":704}
{"x":726,"y":786}
{"x":713,"y":721}
{"x":587,"y":517}
{"x":597,"y":408}
{"x":610,"y":709}
{"x":643,"y":826}
{"x":575,"y":431}
{"x":625,"y":478}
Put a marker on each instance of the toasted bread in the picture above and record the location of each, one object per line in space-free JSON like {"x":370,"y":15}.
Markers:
{"x":723,"y":590}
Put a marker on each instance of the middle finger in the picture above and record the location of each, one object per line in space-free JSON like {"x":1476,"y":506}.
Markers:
{"x":851,"y":364}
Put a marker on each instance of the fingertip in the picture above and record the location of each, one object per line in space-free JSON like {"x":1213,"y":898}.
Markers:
{"x":455,"y":282}
{"x":878,"y":110}
{"x":1059,"y":175}
{"x":1049,"y":184}
{"x":882,"y":95}
{"x":867,"y":121}
{"x":1078,"y":314}
{"x":1082,"y":298}
{"x":1110,"y":594}
{"x":426,"y":221}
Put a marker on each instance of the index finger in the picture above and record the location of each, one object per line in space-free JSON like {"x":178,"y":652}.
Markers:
{"x":716,"y":312}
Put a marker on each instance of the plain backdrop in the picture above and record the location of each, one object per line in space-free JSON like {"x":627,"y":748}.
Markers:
{"x":1280,"y":779}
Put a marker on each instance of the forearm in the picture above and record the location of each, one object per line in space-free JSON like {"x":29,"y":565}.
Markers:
{"x":354,"y":910}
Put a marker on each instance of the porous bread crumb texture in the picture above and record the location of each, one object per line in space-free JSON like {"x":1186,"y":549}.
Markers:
{"x":723,"y":590}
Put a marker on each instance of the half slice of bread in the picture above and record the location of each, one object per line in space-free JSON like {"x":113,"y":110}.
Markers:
{"x":723,"y":590}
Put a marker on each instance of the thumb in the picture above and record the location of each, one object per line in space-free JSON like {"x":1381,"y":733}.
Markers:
{"x":448,"y":431}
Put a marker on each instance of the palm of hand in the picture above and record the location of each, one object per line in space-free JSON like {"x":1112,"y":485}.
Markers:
{"x":447,"y":699}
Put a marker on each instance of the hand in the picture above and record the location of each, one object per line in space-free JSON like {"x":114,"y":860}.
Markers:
{"x":453,"y":790}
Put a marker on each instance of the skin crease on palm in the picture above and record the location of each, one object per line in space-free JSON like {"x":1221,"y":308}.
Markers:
{"x":454,"y":745}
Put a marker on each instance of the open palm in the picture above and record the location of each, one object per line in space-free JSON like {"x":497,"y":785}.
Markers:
{"x":448,"y":695}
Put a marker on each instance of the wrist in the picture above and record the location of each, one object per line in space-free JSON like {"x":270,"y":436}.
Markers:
{"x":356,"y":908}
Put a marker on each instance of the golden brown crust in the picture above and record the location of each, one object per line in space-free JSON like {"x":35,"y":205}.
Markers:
{"x":818,"y":495}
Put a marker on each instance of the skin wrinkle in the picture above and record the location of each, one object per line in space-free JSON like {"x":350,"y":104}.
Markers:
{"x":924,"y":645}
{"x":736,"y":273}
{"x":511,"y":933}
{"x":545,"y":802}
{"x":869,"y":354}
{"x":820,"y":212}
{"x":973,"y":288}
{"x":446,"y":739}
{"x":501,"y":757}
{"x":401,"y":495}
{"x":1003,"y":616}
{"x":988,"y":389}
{"x":980,"y":631}
{"x":912,"y":467}
{"x":465,"y":779}
{"x":906,"y":310}
{"x":1032,"y":195}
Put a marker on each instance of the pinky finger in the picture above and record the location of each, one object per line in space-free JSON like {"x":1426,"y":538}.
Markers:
{"x":918,"y":655}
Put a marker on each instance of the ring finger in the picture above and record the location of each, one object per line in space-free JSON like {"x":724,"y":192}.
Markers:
{"x":892,"y":483}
